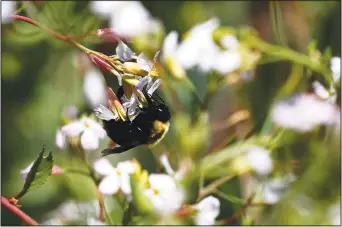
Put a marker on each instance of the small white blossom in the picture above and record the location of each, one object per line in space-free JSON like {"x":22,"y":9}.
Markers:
{"x":94,"y":88}
{"x":274,"y":189}
{"x":304,"y":112}
{"x":207,"y":211}
{"x":60,"y":139}
{"x":200,"y":50}
{"x":7,"y":9}
{"x":73,"y":211}
{"x":164,"y":194}
{"x":178,"y":175}
{"x":151,"y":86}
{"x":335,"y":66}
{"x":260,"y":160}
{"x":91,"y":132}
{"x":127,"y":18}
{"x":114,"y":178}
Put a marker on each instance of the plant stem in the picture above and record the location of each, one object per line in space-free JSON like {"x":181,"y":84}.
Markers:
{"x":213,"y":186}
{"x":15,"y":210}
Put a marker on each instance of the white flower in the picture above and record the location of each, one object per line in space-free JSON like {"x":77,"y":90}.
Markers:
{"x":335,"y":66}
{"x":334,"y":214}
{"x":91,"y":132}
{"x":94,"y":88}
{"x":274,"y":189}
{"x":208,"y":209}
{"x":124,"y":52}
{"x":127,"y":18}
{"x":164,"y":194}
{"x":323,"y":93}
{"x":74,"y":211}
{"x":7,"y":9}
{"x":177,"y":175}
{"x":114,"y":178}
{"x":60,"y":139}
{"x":304,"y":112}
{"x":199,"y":49}
{"x":259,"y":159}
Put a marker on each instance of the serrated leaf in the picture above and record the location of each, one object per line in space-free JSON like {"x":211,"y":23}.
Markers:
{"x":39,"y":173}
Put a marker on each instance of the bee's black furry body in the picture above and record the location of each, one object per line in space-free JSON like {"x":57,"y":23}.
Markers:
{"x":142,"y":130}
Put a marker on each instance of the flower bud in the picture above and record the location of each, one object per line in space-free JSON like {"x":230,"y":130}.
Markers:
{"x":134,"y":68}
{"x":102,"y":64}
{"x":108,"y":34}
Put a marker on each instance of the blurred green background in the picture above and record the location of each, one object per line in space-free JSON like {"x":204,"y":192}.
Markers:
{"x":39,"y":78}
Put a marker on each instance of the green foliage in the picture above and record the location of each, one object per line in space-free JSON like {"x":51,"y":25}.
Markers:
{"x":38,"y":174}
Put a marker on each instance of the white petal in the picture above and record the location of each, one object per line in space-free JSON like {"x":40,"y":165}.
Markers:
{"x":161,"y":181}
{"x":73,"y":129}
{"x":304,"y":112}
{"x":109,"y":185}
{"x":165,"y":162}
{"x":227,"y":61}
{"x":125,"y":183}
{"x":132,"y":19}
{"x":209,"y":209}
{"x":143,"y":62}
{"x":124,"y":52}
{"x":105,"y":8}
{"x":94,"y":88}
{"x":60,"y":139}
{"x":89,"y":140}
{"x":260,"y":160}
{"x":104,"y":114}
{"x":104,"y":167}
{"x":335,"y":214}
{"x":154,"y":87}
{"x":274,"y":189}
{"x":143,"y":82}
{"x":96,"y":128}
{"x":319,"y":90}
{"x":335,"y":65}
{"x":126,"y":167}
{"x":170,"y":43}
{"x":7,"y":9}
{"x":230,"y":42}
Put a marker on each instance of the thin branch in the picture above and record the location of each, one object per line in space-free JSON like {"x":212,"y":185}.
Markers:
{"x":15,"y":210}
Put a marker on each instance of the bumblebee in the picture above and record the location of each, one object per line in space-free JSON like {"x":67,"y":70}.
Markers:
{"x":148,"y":128}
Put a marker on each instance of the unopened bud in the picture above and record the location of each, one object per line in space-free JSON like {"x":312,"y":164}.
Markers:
{"x":134,"y":68}
{"x":101,"y":63}
{"x":108,"y":34}
{"x":56,"y":170}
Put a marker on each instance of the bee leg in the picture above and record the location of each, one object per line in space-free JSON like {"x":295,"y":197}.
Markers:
{"x":117,"y":150}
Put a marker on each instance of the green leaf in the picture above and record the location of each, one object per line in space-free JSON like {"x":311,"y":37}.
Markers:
{"x":39,"y":173}
{"x":114,"y":210}
{"x":141,"y":202}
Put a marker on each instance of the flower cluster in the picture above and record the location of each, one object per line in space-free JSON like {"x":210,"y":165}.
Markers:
{"x":200,"y":50}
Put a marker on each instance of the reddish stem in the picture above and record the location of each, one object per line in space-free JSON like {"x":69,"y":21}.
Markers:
{"x":15,"y":210}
